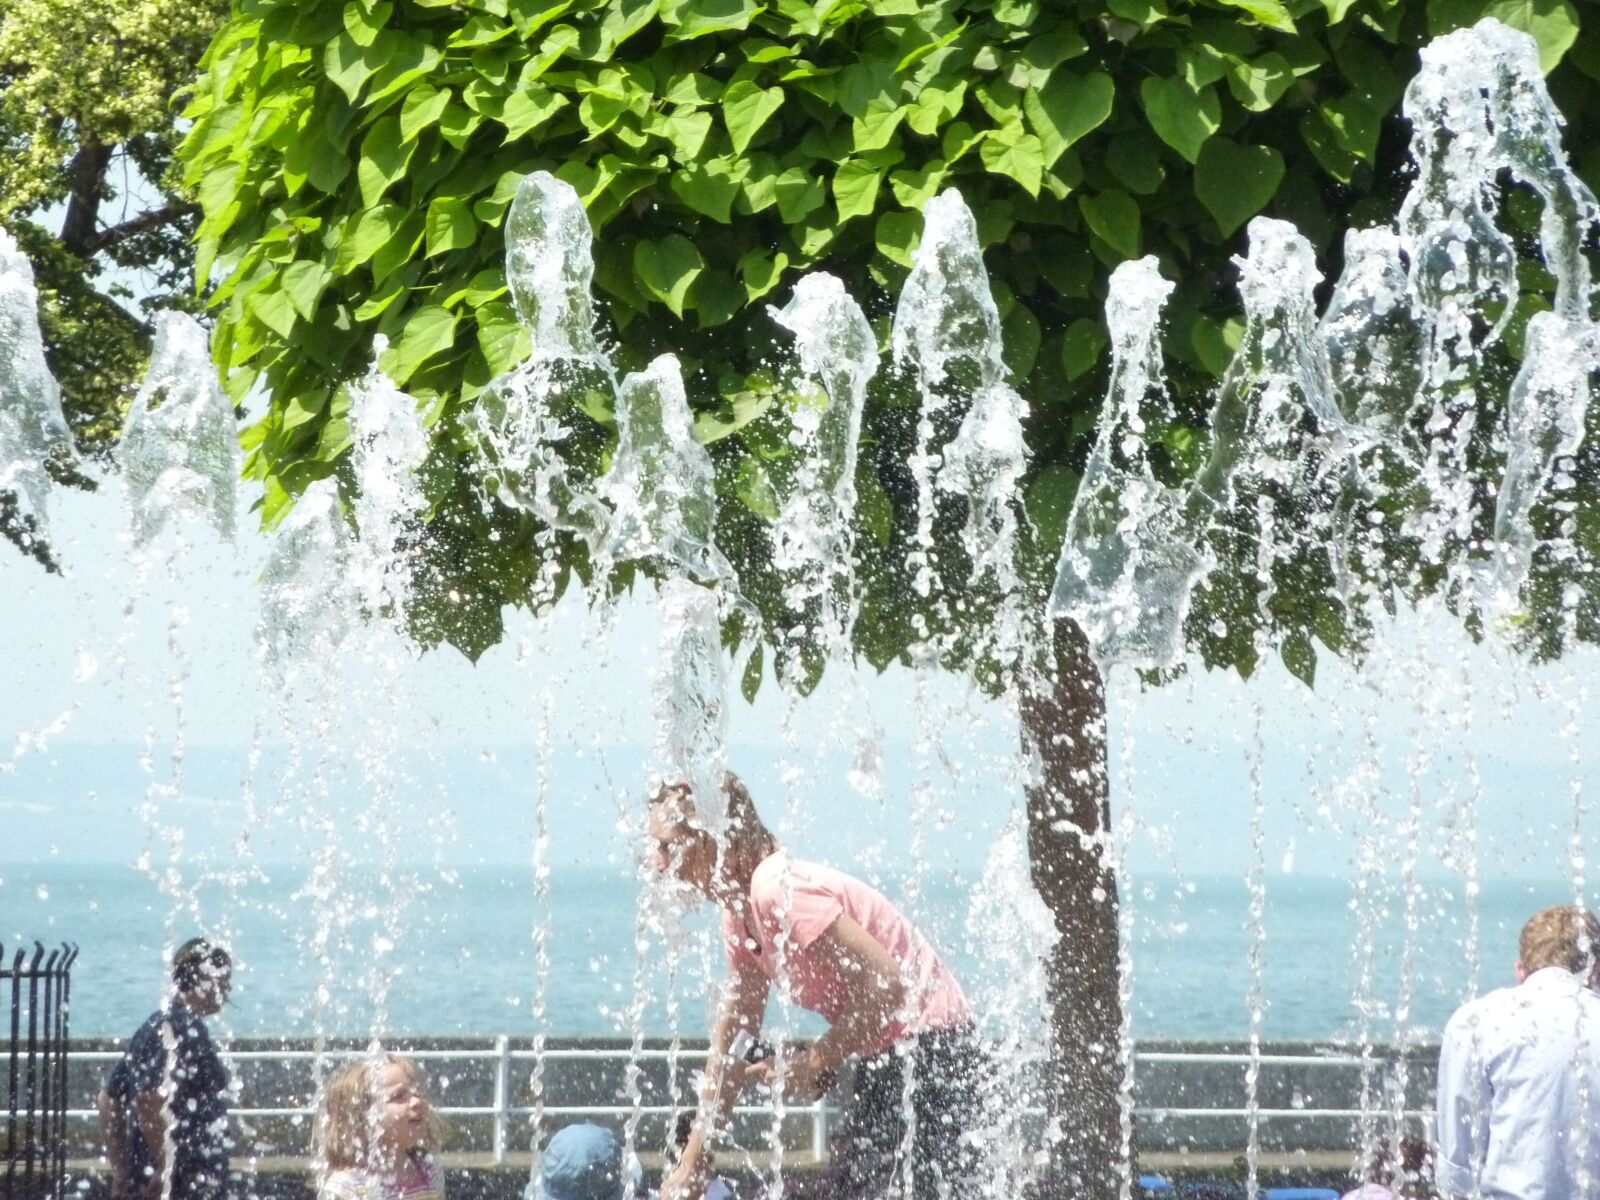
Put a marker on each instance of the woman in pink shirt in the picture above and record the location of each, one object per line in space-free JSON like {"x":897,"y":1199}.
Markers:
{"x":840,"y":949}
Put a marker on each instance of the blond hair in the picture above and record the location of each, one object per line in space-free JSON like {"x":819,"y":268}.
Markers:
{"x":344,"y":1130}
{"x":1564,"y":936}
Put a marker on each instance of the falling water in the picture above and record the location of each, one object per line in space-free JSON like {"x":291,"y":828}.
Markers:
{"x":1127,"y":566}
{"x":33,"y":430}
{"x":1315,"y":420}
{"x":523,"y":420}
{"x":180,"y":448}
{"x":945,"y":326}
{"x":814,"y":538}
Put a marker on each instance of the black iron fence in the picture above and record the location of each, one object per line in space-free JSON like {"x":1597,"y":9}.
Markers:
{"x":33,"y":1157}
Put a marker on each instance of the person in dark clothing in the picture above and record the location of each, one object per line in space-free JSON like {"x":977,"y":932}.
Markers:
{"x":167,"y":1093}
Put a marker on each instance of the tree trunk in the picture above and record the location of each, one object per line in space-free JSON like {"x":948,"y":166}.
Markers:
{"x":1064,"y":724}
{"x":88,"y":187}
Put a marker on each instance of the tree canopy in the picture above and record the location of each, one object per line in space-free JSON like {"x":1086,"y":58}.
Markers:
{"x":354,"y":160}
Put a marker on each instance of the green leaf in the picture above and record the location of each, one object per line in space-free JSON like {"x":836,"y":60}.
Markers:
{"x":1323,"y":143}
{"x":385,"y":155}
{"x":273,"y":308}
{"x":687,"y":130}
{"x":745,"y":109}
{"x":1015,"y":154}
{"x":936,"y":106}
{"x":1022,"y":338}
{"x":698,"y":18}
{"x":761,"y":272}
{"x":896,"y":235}
{"x":755,"y":491}
{"x":1236,"y":182}
{"x":450,"y":225}
{"x":398,"y":251}
{"x":1270,"y":13}
{"x":875,"y":128}
{"x":693,"y":88}
{"x":303,"y":282}
{"x":800,"y":193}
{"x":1135,"y":159}
{"x":423,"y":106}
{"x":750,"y":677}
{"x":345,"y":64}
{"x":1355,"y":125}
{"x":480,"y":31}
{"x":1552,"y":23}
{"x":668,"y":268}
{"x":1080,"y":348}
{"x":1067,"y":108}
{"x":503,"y":338}
{"x":1260,"y":84}
{"x":312,"y":156}
{"x":365,"y":22}
{"x":364,"y":233}
{"x":913,"y":189}
{"x":457,"y":124}
{"x":1143,"y":13}
{"x":710,"y":187}
{"x":1181,"y":116}
{"x":1017,"y":13}
{"x":528,"y":109}
{"x":405,"y":60}
{"x":855,"y":188}
{"x":1048,"y":503}
{"x":1300,"y":656}
{"x":627,"y":18}
{"x":429,"y":331}
{"x":304,"y":407}
{"x":1114,"y":217}
{"x":1049,"y":50}
{"x":1215,"y":343}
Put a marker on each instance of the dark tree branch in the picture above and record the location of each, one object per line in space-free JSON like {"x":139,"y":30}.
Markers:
{"x":144,"y":223}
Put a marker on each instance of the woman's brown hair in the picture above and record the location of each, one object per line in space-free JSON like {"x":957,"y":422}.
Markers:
{"x":747,"y":837}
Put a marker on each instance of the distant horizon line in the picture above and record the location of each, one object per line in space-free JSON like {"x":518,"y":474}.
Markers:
{"x":1430,"y":879}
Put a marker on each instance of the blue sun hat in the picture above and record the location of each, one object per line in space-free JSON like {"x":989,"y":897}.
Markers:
{"x":585,"y":1162}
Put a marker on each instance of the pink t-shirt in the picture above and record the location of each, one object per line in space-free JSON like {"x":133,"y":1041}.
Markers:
{"x":795,"y":902}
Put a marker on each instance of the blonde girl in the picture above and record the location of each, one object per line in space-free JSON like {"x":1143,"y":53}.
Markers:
{"x":375,"y":1133}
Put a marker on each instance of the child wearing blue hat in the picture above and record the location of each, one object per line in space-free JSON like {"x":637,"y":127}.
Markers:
{"x":585,"y":1162}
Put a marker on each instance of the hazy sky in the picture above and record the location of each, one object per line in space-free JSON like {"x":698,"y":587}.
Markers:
{"x":453,"y":743}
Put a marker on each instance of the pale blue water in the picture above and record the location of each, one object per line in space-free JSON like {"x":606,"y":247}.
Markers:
{"x":465,"y":952}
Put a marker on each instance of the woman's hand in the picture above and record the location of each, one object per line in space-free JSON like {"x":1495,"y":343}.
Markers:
{"x":804,"y":1078}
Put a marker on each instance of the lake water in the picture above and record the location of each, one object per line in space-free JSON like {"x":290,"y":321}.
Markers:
{"x":463,"y":950}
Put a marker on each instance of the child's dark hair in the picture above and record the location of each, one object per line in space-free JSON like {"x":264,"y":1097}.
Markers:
{"x":197,"y":960}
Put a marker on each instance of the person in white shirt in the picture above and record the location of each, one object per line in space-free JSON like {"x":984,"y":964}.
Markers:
{"x":1519,"y":1074}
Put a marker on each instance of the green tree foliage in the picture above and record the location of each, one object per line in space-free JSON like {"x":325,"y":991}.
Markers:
{"x":86,"y":112}
{"x":355,"y":159}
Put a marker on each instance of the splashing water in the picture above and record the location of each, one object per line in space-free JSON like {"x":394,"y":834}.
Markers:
{"x":521,"y":422}
{"x":945,"y":325}
{"x":691,"y":696}
{"x":389,"y":447}
{"x":660,"y":488}
{"x":180,"y":446}
{"x":1127,"y":564}
{"x":32,"y":427}
{"x":813,"y":537}
{"x":306,"y":607}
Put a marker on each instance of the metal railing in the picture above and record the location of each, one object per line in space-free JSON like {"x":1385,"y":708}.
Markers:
{"x":504,"y":1109}
{"x":33,"y":1159}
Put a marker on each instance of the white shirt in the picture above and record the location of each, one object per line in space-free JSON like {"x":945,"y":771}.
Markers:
{"x":1519,"y":1079}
